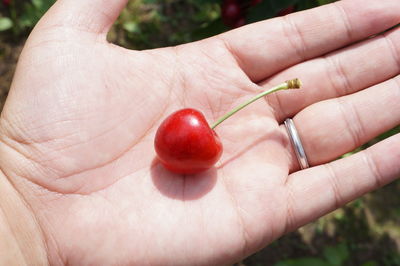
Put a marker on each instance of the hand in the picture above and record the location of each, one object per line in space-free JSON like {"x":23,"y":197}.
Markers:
{"x":77,"y":131}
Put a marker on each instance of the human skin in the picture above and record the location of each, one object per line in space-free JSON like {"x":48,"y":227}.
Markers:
{"x":80,"y":182}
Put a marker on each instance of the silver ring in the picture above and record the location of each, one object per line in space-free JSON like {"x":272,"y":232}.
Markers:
{"x":296,"y":142}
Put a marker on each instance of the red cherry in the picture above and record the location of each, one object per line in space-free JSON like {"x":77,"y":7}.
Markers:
{"x":185,"y":143}
{"x":7,"y":2}
{"x":286,"y":11}
{"x":231,"y":12}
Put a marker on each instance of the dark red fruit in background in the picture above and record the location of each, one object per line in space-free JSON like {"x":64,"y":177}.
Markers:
{"x":231,"y":12}
{"x":286,"y":11}
{"x":185,"y":143}
{"x":239,"y":23}
{"x":255,"y":2}
{"x":7,"y":2}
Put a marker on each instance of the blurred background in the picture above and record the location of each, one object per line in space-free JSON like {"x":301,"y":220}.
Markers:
{"x":366,"y":232}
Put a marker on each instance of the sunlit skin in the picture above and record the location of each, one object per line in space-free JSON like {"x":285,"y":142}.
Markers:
{"x":77,"y":133}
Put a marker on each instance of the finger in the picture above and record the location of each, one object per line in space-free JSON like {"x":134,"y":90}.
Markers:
{"x":264,"y":48}
{"x":334,"y":127}
{"x":94,"y":16}
{"x":316,"y":191}
{"x":339,"y":73}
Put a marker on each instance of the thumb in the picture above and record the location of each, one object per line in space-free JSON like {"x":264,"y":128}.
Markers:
{"x":92,"y":16}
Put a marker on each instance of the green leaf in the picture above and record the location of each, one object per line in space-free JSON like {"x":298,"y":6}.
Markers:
{"x":324,"y":2}
{"x":370,"y":263}
{"x":146,"y":2}
{"x":28,"y":17}
{"x":213,"y":28}
{"x":131,"y":27}
{"x":42,"y":6}
{"x":303,"y":262}
{"x":306,"y":4}
{"x":5,"y":24}
{"x":336,"y":255}
{"x":37,"y":3}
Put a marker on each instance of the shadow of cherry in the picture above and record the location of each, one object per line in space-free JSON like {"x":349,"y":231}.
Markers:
{"x":275,"y":135}
{"x":192,"y":187}
{"x":182,"y":187}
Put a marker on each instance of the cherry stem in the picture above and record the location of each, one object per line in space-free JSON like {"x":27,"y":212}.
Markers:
{"x":290,"y":84}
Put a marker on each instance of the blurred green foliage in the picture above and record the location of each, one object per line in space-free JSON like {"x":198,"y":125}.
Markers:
{"x":21,"y":16}
{"x":332,"y":256}
{"x":152,"y":23}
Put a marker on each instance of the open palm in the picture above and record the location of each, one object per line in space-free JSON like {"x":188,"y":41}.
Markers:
{"x":78,"y":127}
